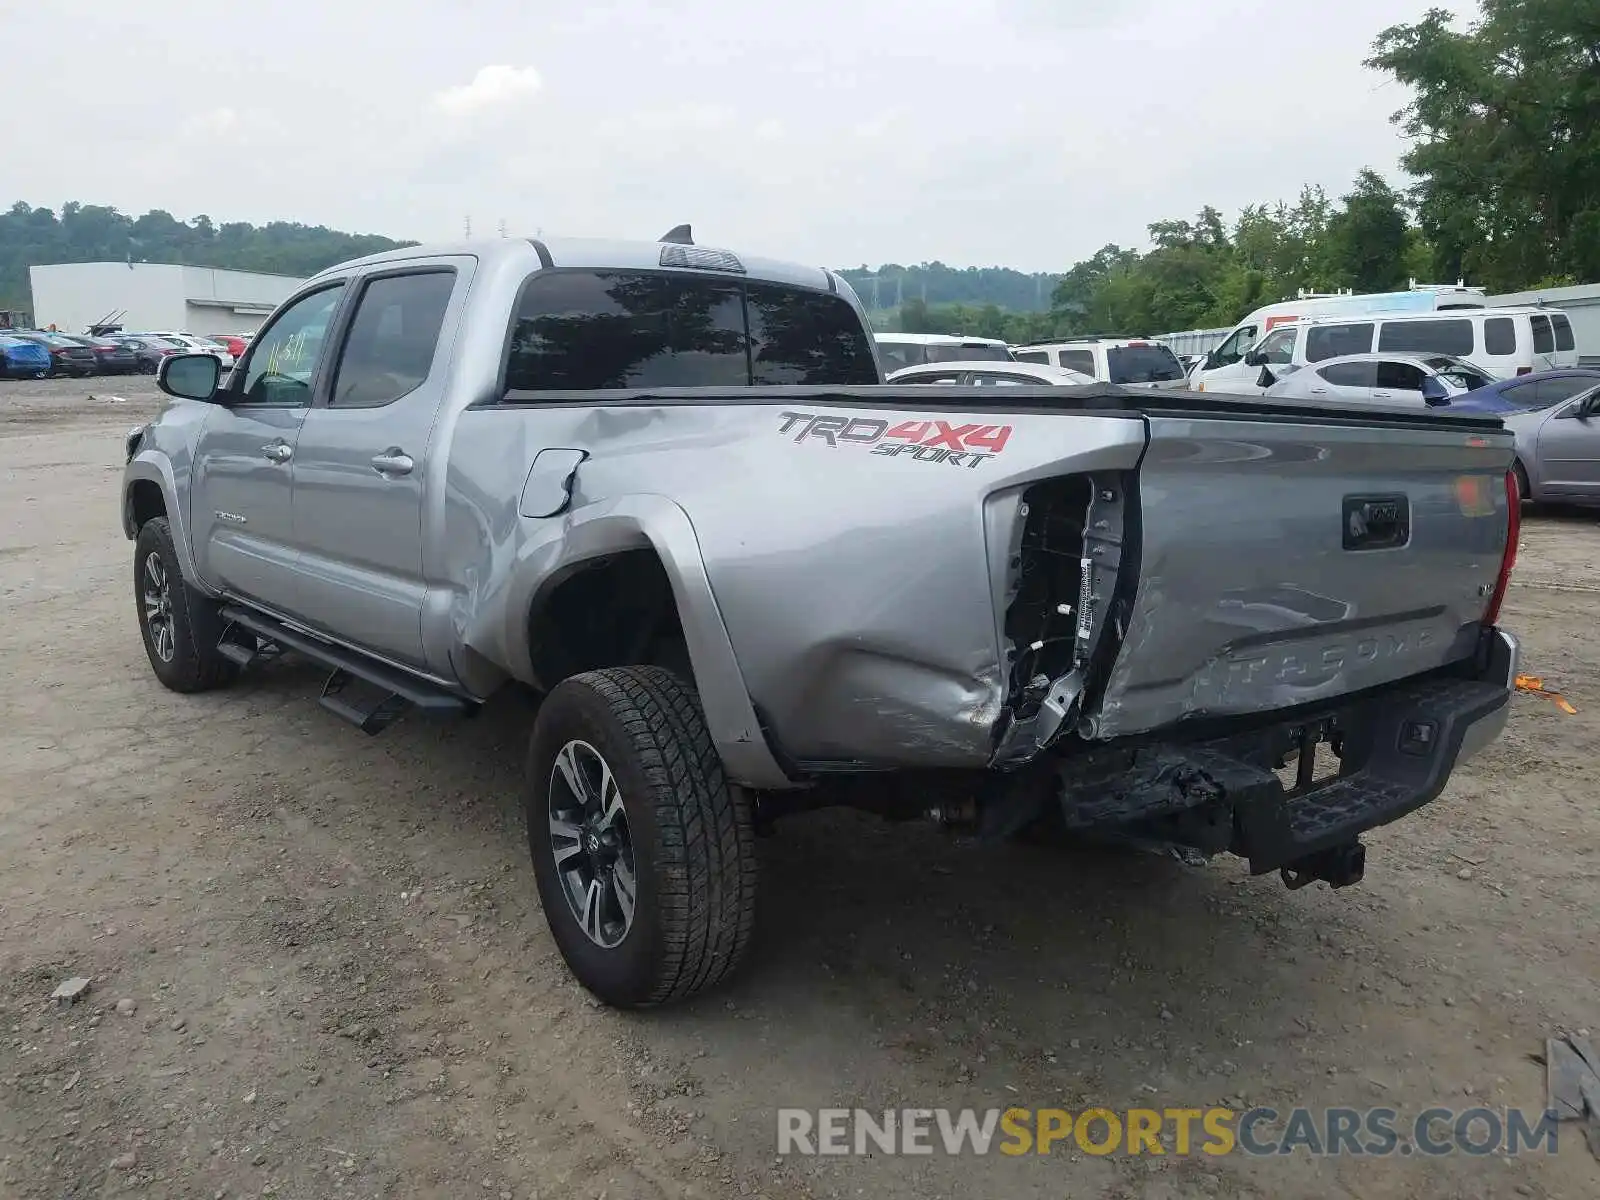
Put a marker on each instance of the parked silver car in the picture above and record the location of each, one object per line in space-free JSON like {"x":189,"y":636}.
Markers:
{"x":1558,"y":450}
{"x":1403,"y":379}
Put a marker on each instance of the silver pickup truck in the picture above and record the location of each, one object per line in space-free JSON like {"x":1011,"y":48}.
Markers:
{"x":663,"y":487}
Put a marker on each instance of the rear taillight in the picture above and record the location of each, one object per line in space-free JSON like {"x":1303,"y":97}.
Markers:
{"x":1508,"y":556}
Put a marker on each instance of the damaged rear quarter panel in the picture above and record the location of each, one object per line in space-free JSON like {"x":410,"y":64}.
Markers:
{"x":863,"y":586}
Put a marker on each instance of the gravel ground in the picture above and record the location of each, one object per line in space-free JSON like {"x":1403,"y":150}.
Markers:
{"x":319,"y":968}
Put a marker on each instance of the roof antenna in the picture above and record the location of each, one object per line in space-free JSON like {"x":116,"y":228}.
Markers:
{"x":678,"y":235}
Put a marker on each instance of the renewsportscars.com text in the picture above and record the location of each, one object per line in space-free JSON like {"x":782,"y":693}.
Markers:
{"x":1261,"y":1131}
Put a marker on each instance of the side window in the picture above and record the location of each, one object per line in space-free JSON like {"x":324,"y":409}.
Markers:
{"x":983,"y":379}
{"x":897,"y":356}
{"x":1524,"y":395}
{"x":1356,"y":375}
{"x":945,"y":378}
{"x":1077,"y":360}
{"x":590,"y":330}
{"x":1042,"y":357}
{"x":1334,"y":341}
{"x":284,"y":358}
{"x":1451,"y":336}
{"x":798,"y":336}
{"x":1399,"y":377}
{"x":1544,"y":341}
{"x":389,"y":349}
{"x":1499,"y":336}
{"x":1232,"y":350}
{"x":1563,"y":328}
{"x":1553,"y":391}
{"x":1278,"y":346}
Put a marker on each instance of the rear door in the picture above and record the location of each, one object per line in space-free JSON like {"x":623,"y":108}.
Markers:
{"x":1144,"y":365}
{"x":1294,"y":559}
{"x":1398,"y":382}
{"x":240,"y":521}
{"x":1352,"y":381}
{"x":359,"y":471}
{"x":1544,"y":342}
{"x":1566,"y":352}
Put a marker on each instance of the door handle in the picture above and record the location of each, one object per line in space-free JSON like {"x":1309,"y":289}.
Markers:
{"x":393,"y":461}
{"x":278,"y":452}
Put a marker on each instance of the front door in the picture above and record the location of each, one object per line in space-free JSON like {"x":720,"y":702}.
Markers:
{"x":1569,"y":450}
{"x":359,"y":468}
{"x":240,"y":518}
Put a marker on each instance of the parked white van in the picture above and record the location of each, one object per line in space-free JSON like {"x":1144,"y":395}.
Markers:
{"x":900,"y":350}
{"x":1419,"y":298}
{"x":1501,"y":342}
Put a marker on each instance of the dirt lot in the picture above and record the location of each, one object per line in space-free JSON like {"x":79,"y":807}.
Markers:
{"x":341,"y":984}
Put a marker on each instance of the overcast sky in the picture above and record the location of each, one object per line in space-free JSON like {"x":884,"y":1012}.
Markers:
{"x":1026,"y":133}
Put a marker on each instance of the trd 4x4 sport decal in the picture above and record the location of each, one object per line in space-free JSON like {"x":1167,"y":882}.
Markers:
{"x":923,"y":439}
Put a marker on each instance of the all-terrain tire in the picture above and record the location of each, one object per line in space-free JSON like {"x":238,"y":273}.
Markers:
{"x":692,"y":842}
{"x":186,"y":659}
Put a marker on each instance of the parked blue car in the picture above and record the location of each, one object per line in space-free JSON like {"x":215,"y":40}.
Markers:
{"x":1528,"y":392}
{"x":23,"y":359}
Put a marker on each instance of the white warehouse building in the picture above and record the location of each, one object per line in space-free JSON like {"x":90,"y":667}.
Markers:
{"x":140,"y":296}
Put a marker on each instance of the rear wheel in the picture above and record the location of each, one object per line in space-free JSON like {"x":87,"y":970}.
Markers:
{"x":1523,"y":491}
{"x":180,"y":626}
{"x":644,"y":852}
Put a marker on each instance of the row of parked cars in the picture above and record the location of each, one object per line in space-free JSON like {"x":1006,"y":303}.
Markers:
{"x":41,"y":353}
{"x":1553,"y":410}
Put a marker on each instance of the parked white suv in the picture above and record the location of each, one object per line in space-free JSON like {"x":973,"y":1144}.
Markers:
{"x":1129,"y":362}
{"x":898,"y":351}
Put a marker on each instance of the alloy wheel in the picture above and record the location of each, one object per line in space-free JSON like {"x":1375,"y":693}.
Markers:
{"x":592,"y":844}
{"x":158,"y":608}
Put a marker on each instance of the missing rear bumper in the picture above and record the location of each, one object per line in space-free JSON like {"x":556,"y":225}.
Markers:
{"x":1260,"y":793}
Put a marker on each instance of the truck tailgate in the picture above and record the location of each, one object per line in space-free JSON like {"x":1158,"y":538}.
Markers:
{"x":1284,"y":560}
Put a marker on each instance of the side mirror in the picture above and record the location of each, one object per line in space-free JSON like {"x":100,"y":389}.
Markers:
{"x":1266,"y":379}
{"x":189,"y":376}
{"x":1434,"y":391}
{"x":1254,"y":358}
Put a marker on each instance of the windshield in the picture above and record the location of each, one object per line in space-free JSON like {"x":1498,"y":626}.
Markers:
{"x":1142,"y":364}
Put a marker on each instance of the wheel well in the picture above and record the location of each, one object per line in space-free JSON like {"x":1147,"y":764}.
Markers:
{"x":614,"y":611}
{"x":145,"y":502}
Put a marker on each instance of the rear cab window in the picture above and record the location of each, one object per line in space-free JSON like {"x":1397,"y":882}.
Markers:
{"x":1142,"y":363}
{"x":604,"y":329}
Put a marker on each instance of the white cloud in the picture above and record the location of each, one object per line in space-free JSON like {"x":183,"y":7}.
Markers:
{"x":492,"y":87}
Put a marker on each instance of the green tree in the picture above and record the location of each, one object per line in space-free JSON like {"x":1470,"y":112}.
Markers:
{"x":1505,"y":124}
{"x":1365,"y":244}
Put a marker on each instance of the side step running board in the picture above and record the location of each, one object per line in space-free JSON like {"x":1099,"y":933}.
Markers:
{"x":370,"y":695}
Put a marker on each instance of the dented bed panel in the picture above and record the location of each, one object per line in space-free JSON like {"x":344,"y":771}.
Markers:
{"x":1283,"y":563}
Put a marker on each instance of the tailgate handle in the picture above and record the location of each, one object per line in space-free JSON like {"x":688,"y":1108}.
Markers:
{"x":1376,"y":522}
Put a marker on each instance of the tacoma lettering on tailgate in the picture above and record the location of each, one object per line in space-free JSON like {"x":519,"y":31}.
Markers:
{"x":924,"y":439}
